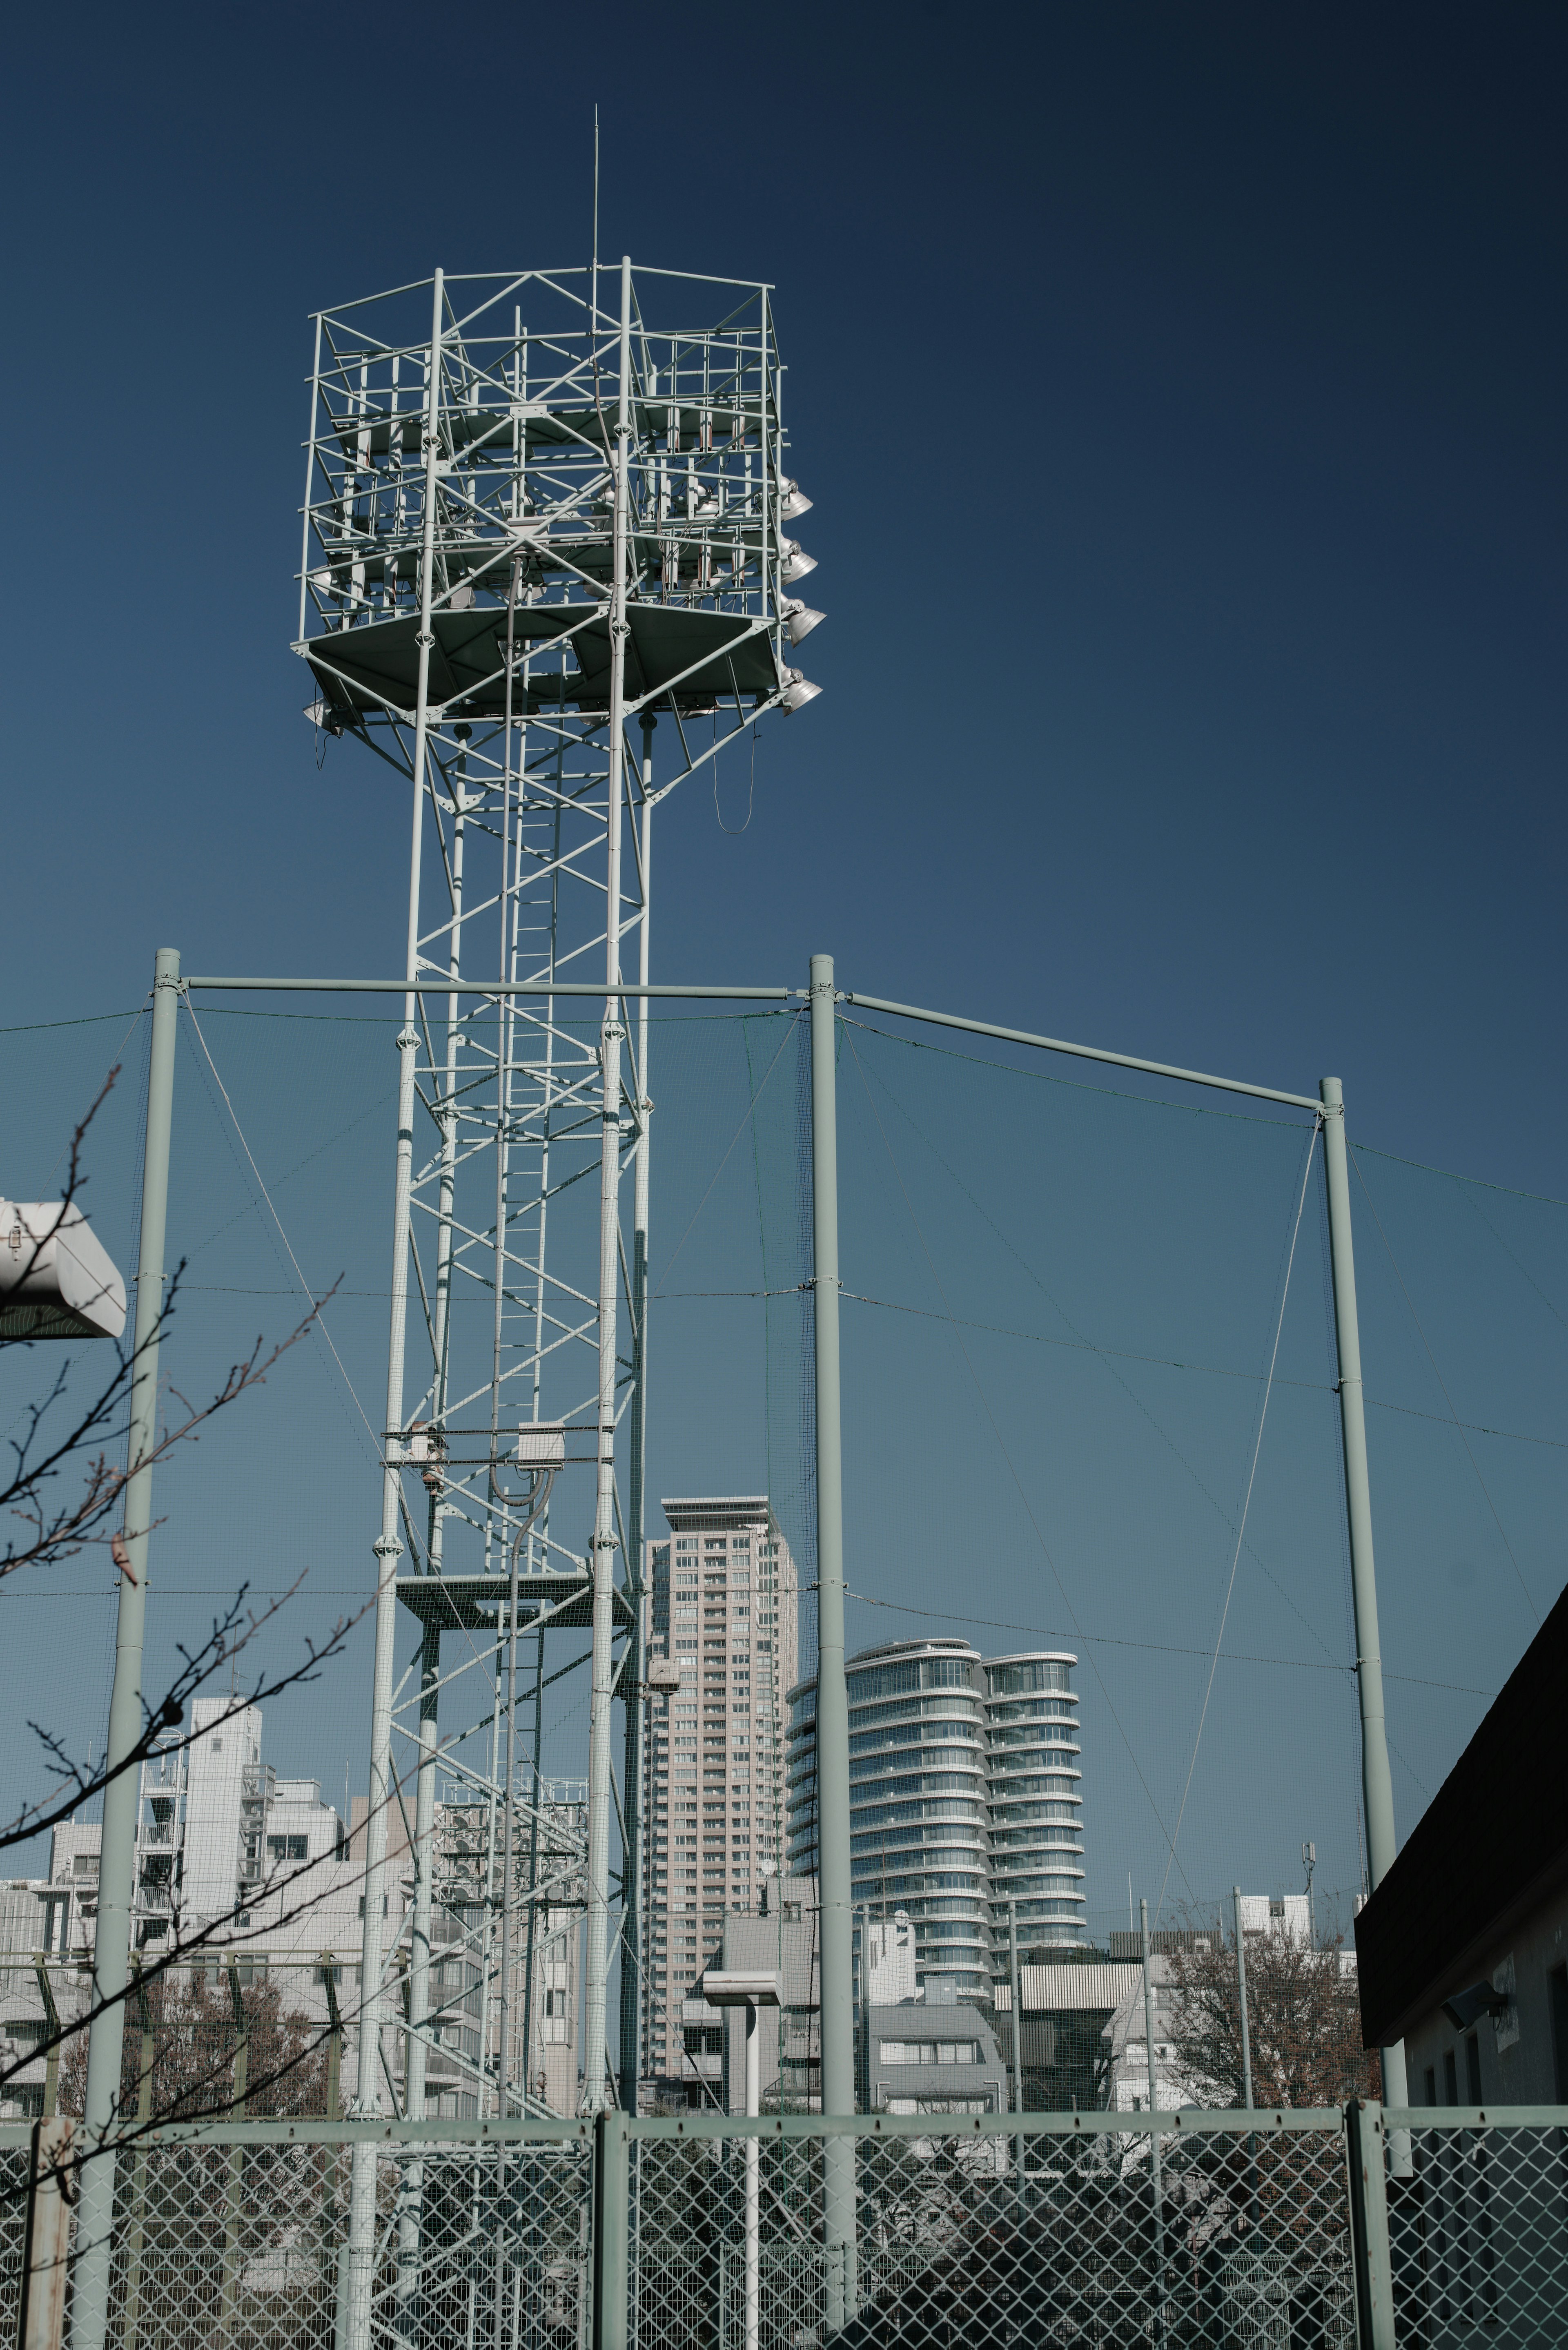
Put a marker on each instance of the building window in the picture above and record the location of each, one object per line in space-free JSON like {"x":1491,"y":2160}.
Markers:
{"x":287,"y":1847}
{"x":1451,"y":2079}
{"x":928,"y":2051}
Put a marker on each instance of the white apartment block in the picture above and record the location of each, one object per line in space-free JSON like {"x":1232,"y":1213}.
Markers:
{"x":723,"y":1603}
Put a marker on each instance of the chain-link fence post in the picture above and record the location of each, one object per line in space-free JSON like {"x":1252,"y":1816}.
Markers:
{"x":47,"y":2239}
{"x":610,"y":2252}
{"x":1369,"y":2224}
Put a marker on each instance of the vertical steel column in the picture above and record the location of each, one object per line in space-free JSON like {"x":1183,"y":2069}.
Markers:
{"x":632,"y":1988}
{"x":46,"y":2239}
{"x":1155,"y":2185}
{"x":836,"y":1919}
{"x":1369,"y":2167}
{"x":121,"y":1798}
{"x":411,"y":2192}
{"x":605,"y":1545}
{"x":1241,"y":1995}
{"x":1246,"y":2049}
{"x":612,"y":2252}
{"x":388,"y":1547}
{"x":1377,"y":1785}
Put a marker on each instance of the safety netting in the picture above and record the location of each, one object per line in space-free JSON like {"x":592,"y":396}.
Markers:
{"x":1090,"y":1429}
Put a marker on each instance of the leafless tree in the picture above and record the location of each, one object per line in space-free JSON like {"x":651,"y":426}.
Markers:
{"x":64,"y":1486}
{"x":1304,"y":2020}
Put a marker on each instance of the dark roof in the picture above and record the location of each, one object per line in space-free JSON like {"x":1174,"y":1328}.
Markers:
{"x":1492,"y":1841}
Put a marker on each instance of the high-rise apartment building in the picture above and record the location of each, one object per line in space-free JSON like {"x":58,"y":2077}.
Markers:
{"x":721,"y":1605}
{"x":964,"y":1797}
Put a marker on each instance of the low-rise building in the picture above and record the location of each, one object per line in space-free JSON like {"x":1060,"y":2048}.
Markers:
{"x":931,"y":2056}
{"x":1467,"y":1964}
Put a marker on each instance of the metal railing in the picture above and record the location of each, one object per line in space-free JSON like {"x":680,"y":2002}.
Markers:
{"x":1314,"y":2229}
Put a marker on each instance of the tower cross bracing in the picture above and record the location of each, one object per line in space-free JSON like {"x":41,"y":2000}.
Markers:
{"x":545,"y":515}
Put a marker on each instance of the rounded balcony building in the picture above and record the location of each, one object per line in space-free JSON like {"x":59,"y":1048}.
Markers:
{"x":918,"y":1770}
{"x":1035,"y":1783}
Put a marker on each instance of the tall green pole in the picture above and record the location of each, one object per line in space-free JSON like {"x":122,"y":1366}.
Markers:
{"x":838,"y":1924}
{"x":633,"y":1988}
{"x":1377,"y":1785}
{"x":117,"y":1864}
{"x":1155,"y":2184}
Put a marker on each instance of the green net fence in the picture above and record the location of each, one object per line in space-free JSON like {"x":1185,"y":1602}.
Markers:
{"x":1091,"y":1430}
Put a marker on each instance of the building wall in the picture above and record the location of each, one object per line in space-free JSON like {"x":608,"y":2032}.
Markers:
{"x":723,"y":1603}
{"x":217,"y":1763}
{"x":1517,"y":2058}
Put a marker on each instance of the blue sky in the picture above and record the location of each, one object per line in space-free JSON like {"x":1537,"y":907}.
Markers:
{"x":1180,"y":394}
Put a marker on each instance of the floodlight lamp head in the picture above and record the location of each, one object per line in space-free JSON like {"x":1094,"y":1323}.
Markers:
{"x":1466,"y":2007}
{"x":799,"y":619}
{"x":796,"y":564}
{"x":56,"y":1279}
{"x":741,"y":1987}
{"x":663,"y":1674}
{"x":794,"y":502}
{"x":799,"y":691}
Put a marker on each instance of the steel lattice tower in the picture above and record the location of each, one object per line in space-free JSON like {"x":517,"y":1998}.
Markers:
{"x":533,"y":517}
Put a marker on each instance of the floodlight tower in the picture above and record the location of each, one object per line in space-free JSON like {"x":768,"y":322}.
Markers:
{"x":534,"y":519}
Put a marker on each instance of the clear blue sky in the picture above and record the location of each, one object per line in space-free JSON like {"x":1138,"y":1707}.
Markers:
{"x":1180,"y":395}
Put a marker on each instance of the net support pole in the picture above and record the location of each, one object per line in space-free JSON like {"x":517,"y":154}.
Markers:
{"x":1155,"y":2184}
{"x":837,"y":1916}
{"x":638,"y":1727}
{"x":122,"y":1796}
{"x":611,"y":1036}
{"x":1377,"y":1784}
{"x":388,"y":1547}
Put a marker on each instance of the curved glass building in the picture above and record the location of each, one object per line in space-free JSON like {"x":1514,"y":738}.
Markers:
{"x":964,"y":1794}
{"x":1035,"y":1793}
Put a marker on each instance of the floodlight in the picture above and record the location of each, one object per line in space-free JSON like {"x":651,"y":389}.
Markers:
{"x":799,"y":691}
{"x":799,"y":619}
{"x":1468,"y":2007}
{"x":794,"y":503}
{"x":742,"y":1987}
{"x":663,"y":1674}
{"x":56,"y":1279}
{"x":796,"y":562}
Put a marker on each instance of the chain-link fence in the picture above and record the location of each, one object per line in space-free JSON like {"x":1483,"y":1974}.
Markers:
{"x":977,"y":2231}
{"x":236,"y":2234}
{"x":1254,"y":2231}
{"x":1478,"y":2225}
